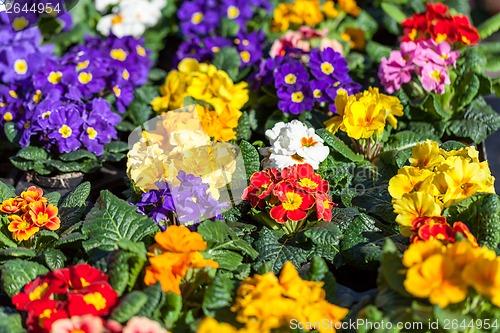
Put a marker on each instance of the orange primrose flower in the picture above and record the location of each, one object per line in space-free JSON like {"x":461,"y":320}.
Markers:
{"x":20,"y":228}
{"x":12,"y":205}
{"x":43,"y":215}
{"x":33,"y":194}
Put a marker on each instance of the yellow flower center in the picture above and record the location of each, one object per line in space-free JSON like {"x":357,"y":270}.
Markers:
{"x":37,"y":96}
{"x":445,"y":56}
{"x":245,"y":42}
{"x":441,"y":38}
{"x":19,"y":23}
{"x":13,"y":93}
{"x":141,"y":51}
{"x":290,"y":78}
{"x":46,"y":114}
{"x":326,"y":204}
{"x":8,"y":116}
{"x":237,"y":41}
{"x":42,"y":218}
{"x":233,"y":12}
{"x":92,"y":133}
{"x":436,"y":75}
{"x":27,"y":124}
{"x":83,"y":64}
{"x":327,"y":68}
{"x":84,"y":77}
{"x":38,"y":292}
{"x":317,"y":93}
{"x":413,"y":34}
{"x":297,"y":97}
{"x":293,"y":202}
{"x":20,"y":66}
{"x":465,"y":40}
{"x":125,"y":75}
{"x":65,"y":131}
{"x":84,"y":282}
{"x":245,"y":56}
{"x":22,"y":226}
{"x":308,"y":183}
{"x":117,"y":91}
{"x":117,"y":19}
{"x":118,"y":54}
{"x":197,"y":18}
{"x":96,"y":300}
{"x":54,"y":77}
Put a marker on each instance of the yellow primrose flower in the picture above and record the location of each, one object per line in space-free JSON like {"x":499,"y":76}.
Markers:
{"x":329,"y":9}
{"x":426,"y":155}
{"x":206,"y":83}
{"x":350,"y":7}
{"x":413,"y":205}
{"x":300,"y":12}
{"x":438,"y":279}
{"x":408,"y":180}
{"x":308,"y":11}
{"x":364,"y":114}
{"x":420,"y":251}
{"x":462,"y":180}
{"x":484,"y":276}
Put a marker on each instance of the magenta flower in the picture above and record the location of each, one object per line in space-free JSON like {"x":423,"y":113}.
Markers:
{"x":395,"y":71}
{"x":434,"y":78}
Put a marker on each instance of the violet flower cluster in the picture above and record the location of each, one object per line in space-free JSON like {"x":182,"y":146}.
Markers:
{"x":299,"y":86}
{"x":429,"y":60}
{"x":200,"y":22}
{"x":56,"y":103}
{"x":190,"y":201}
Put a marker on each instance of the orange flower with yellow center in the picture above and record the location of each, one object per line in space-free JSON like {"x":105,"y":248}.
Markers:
{"x":294,"y":203}
{"x":33,"y":194}
{"x":12,"y":205}
{"x":42,"y":215}
{"x":20,"y":228}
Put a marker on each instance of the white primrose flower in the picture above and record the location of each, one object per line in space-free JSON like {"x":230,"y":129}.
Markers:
{"x":293,"y":143}
{"x":129,"y":17}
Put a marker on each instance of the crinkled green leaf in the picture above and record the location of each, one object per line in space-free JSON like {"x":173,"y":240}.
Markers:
{"x":6,"y":191}
{"x":276,"y":248}
{"x":155,"y":297}
{"x":31,"y":153}
{"x":16,"y":273}
{"x":218,"y":294}
{"x":339,"y":145}
{"x":73,"y":206}
{"x":129,"y":306}
{"x":54,"y":259}
{"x":77,"y":155}
{"x":110,"y":220}
{"x":250,"y":157}
{"x":489,"y":27}
{"x":228,"y":60}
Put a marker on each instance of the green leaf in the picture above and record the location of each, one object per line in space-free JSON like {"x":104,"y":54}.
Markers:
{"x":358,"y":245}
{"x":391,"y":268}
{"x":228,"y":260}
{"x":250,"y":157}
{"x":70,"y":239}
{"x":17,"y":252}
{"x":479,"y":121}
{"x":229,"y":28}
{"x":110,"y":220}
{"x":377,"y":51}
{"x":10,"y":321}
{"x":326,"y":237}
{"x":16,"y":273}
{"x":393,"y":11}
{"x":339,"y":145}
{"x":228,"y":60}
{"x":45,"y":238}
{"x":367,"y":23}
{"x":6,"y":191}
{"x":276,"y":248}
{"x":6,"y":242}
{"x":73,"y":206}
{"x":244,"y":129}
{"x":218,"y":294}
{"x":129,"y":306}
{"x":140,"y":111}
{"x":77,"y":155}
{"x":155,"y":297}
{"x":466,"y":89}
{"x":481,"y":213}
{"x":157,"y":74}
{"x":489,"y":27}
{"x":317,"y":269}
{"x":54,"y":259}
{"x":172,"y":309}
{"x":11,"y":132}
{"x":53,"y":198}
{"x":452,"y":145}
{"x":33,"y":154}
{"x":118,"y":270}
{"x":21,"y":164}
{"x":403,"y":140}
{"x":66,"y":167}
{"x":116,"y":147}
